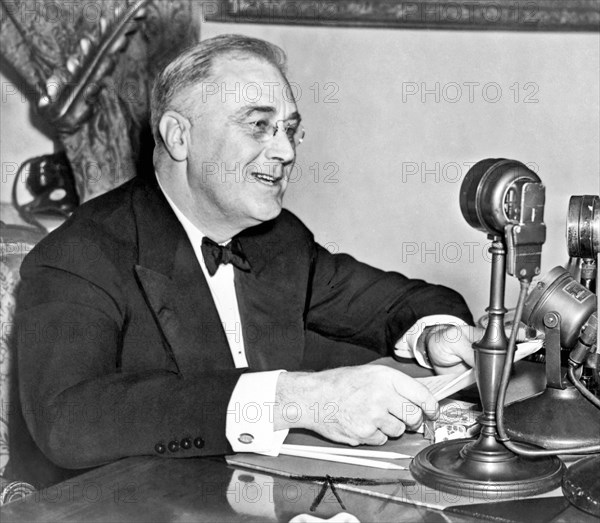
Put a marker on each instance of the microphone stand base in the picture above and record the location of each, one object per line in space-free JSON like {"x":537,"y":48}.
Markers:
{"x":485,"y":469}
{"x":555,"y":418}
{"x":581,"y":485}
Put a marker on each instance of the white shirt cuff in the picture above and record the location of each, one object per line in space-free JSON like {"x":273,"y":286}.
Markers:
{"x":250,"y":415}
{"x":406,"y":347}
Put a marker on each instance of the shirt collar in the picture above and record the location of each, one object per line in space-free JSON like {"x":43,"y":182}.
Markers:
{"x":194,"y":233}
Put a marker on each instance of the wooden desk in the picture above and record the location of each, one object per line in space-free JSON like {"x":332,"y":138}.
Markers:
{"x":196,"y":489}
{"x":207,"y":489}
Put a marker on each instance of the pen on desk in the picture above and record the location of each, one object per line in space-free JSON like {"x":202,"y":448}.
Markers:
{"x":359,"y":453}
{"x":349,"y":460}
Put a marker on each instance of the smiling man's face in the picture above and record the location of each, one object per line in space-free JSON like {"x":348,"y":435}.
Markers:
{"x":237,"y":174}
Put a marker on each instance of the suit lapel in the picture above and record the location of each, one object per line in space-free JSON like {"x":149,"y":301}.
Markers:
{"x":271,"y":299}
{"x":175,"y":287}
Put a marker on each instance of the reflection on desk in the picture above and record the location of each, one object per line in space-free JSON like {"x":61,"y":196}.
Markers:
{"x":206,"y":489}
{"x":196,"y":489}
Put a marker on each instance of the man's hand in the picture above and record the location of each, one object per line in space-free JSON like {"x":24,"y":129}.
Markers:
{"x":449,"y":347}
{"x":355,"y":405}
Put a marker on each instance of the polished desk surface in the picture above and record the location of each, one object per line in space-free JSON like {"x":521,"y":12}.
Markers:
{"x":208,"y":489}
{"x":155,"y":489}
{"x":201,"y":489}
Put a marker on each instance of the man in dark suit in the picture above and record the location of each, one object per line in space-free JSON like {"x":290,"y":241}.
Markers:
{"x":177,"y":316}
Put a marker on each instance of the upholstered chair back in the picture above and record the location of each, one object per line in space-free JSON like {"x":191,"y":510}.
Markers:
{"x":15,"y":242}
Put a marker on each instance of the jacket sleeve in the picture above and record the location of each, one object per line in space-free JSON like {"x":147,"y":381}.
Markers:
{"x":354,"y":302}
{"x":82,"y":406}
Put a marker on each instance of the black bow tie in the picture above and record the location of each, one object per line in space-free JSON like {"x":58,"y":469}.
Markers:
{"x":215,"y":254}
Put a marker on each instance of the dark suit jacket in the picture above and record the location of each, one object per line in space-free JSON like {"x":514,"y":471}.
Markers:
{"x":120,"y":347}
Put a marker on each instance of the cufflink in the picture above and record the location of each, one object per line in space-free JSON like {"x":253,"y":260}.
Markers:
{"x":245,"y":438}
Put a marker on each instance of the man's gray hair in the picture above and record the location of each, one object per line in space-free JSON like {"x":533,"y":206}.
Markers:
{"x":195,"y":65}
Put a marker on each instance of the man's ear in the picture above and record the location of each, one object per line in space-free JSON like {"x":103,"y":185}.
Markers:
{"x":173,"y":128}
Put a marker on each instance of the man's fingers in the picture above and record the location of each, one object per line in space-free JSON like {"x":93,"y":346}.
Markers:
{"x":407,"y":412}
{"x":524,"y":333}
{"x":378,"y":438}
{"x":451,"y":345}
{"x":417,"y":394}
{"x":464,"y":350}
{"x":392,"y":427}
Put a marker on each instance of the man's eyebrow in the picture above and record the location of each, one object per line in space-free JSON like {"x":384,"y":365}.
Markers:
{"x":249,"y":109}
{"x":266,"y":109}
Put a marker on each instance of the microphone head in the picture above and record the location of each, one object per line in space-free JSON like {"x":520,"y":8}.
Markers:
{"x":583,"y":227}
{"x":559,"y":292}
{"x":489,"y":194}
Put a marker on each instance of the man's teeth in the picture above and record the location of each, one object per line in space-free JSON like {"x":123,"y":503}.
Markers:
{"x":265,"y":177}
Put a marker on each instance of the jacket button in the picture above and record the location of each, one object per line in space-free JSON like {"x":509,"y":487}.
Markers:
{"x":173,"y":446}
{"x":160,"y":448}
{"x":198,"y":443}
{"x":186,"y":443}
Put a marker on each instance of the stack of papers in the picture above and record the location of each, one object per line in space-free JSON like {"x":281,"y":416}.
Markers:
{"x":444,"y":385}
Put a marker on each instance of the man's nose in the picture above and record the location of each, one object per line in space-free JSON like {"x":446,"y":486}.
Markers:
{"x":280,"y":148}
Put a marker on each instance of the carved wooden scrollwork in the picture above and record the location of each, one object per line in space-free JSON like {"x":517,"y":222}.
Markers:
{"x":68,"y":102}
{"x":88,"y":66}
